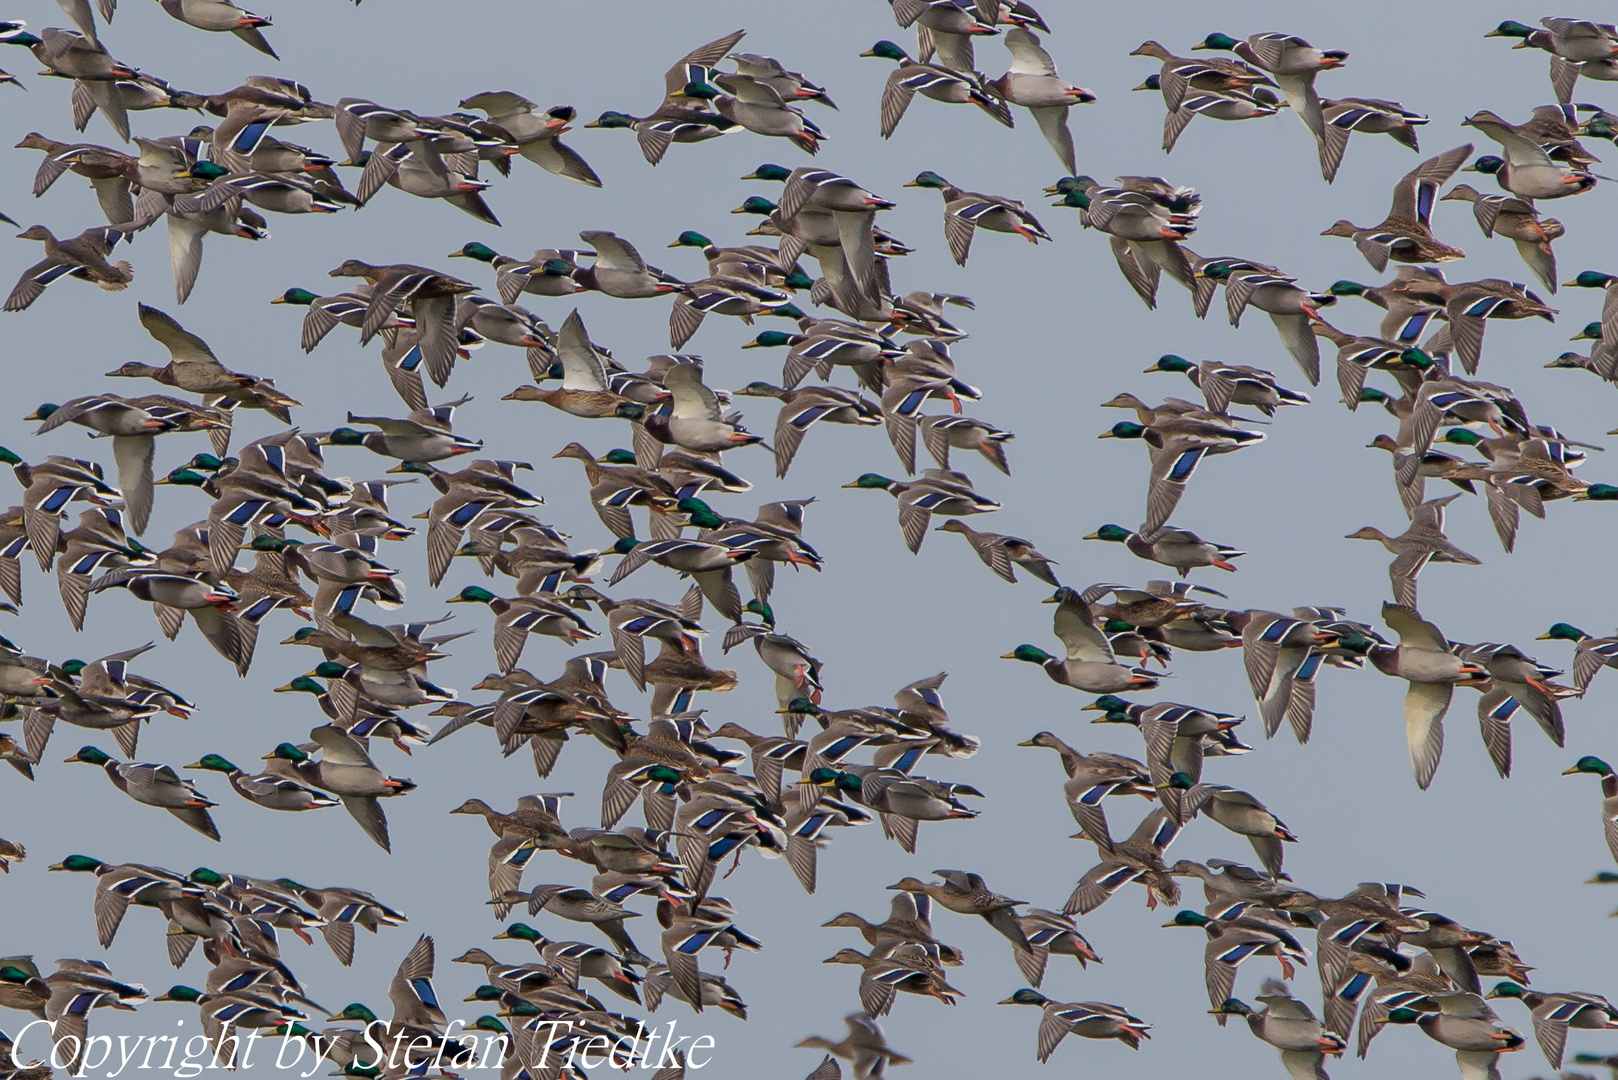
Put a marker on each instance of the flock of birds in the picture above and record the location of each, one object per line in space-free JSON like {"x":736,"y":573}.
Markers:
{"x":314,"y":546}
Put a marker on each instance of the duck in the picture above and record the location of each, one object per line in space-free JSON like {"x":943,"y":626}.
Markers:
{"x":865,"y":1046}
{"x":430,"y":298}
{"x":1223,"y":385}
{"x":584,"y":391}
{"x":1554,"y":1014}
{"x":1518,"y":221}
{"x":348,"y":772}
{"x":1290,"y":1026}
{"x":1293,"y":63}
{"x":938,"y":491}
{"x":966,"y":893}
{"x":967,"y":211}
{"x":757,"y":106}
{"x":1091,"y":665}
{"x":1464,"y":1023}
{"x":1342,"y":116}
{"x":1238,"y":811}
{"x":1259,"y":102}
{"x":1146,"y":218}
{"x":1086,"y":1019}
{"x":536,"y":136}
{"x":680,"y":118}
{"x":1289,"y":307}
{"x":517,"y":617}
{"x":619,"y":271}
{"x":1526,"y":170}
{"x":1177,"y":446}
{"x":83,"y":257}
{"x":935,"y":81}
{"x":423,"y":436}
{"x":1178,"y":548}
{"x":1032,"y":82}
{"x":1003,"y":554}
{"x":154,"y":785}
{"x":82,"y":58}
{"x":173,"y":596}
{"x":1423,"y":542}
{"x":1594,"y":766}
{"x":1590,"y":655}
{"x":1577,"y":46}
{"x":1423,"y":658}
{"x":1405,"y":235}
{"x":266,"y":790}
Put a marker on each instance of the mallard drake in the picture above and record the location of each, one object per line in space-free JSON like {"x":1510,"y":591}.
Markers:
{"x":1577,"y":47}
{"x":1239,"y":812}
{"x":680,"y":118}
{"x":1289,"y":307}
{"x":1290,"y":1026}
{"x":424,"y":435}
{"x":1464,"y":1023}
{"x":1554,"y":1014}
{"x":619,"y":271}
{"x":966,"y":211}
{"x":1341,"y":116}
{"x":1405,"y":235}
{"x":757,"y":106}
{"x":852,"y":210}
{"x":1177,"y":446}
{"x":1423,"y":542}
{"x":999,"y":553}
{"x":939,"y":491}
{"x":348,"y":772}
{"x":1233,"y":937}
{"x":1590,"y":655}
{"x":267,"y":790}
{"x":575,"y":959}
{"x":1293,"y":62}
{"x":517,"y":617}
{"x":1091,"y":665}
{"x":1179,"y":548}
{"x":1223,"y":385}
{"x":581,"y":905}
{"x":1518,"y":221}
{"x":1609,"y":795}
{"x":133,"y":430}
{"x":173,"y":596}
{"x":935,"y":81}
{"x":1033,"y":83}
{"x":83,"y":256}
{"x":1086,"y":1019}
{"x":1526,"y":171}
{"x":64,"y":999}
{"x":154,"y":785}
{"x":1145,"y":218}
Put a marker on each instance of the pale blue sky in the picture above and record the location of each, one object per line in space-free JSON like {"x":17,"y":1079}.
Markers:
{"x":1056,"y":331}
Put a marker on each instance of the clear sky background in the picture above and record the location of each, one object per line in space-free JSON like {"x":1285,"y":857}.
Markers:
{"x":1056,"y":331}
